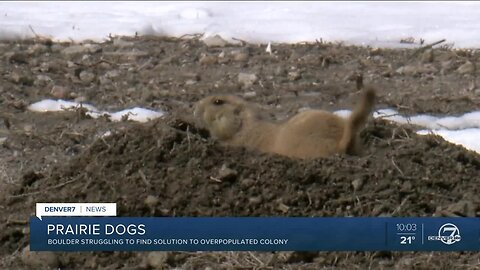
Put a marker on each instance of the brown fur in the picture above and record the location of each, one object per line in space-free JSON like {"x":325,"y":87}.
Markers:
{"x":309,"y":134}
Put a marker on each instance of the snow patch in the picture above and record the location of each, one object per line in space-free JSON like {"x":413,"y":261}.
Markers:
{"x":463,"y":130}
{"x":134,"y":114}
{"x":379,"y":24}
{"x":50,"y":105}
{"x":468,"y":138}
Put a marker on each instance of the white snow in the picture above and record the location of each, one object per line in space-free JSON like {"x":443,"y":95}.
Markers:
{"x":361,"y":23}
{"x":468,"y":120}
{"x":463,"y":130}
{"x":135,"y":114}
{"x":468,"y":138}
{"x":50,"y":105}
{"x":380,"y":24}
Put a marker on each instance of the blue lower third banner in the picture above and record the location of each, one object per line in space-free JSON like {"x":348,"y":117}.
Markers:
{"x":253,"y":234}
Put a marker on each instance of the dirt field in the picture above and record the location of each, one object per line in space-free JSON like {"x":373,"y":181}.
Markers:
{"x":69,"y":157}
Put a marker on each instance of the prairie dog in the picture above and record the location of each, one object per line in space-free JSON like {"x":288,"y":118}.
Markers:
{"x":309,"y":134}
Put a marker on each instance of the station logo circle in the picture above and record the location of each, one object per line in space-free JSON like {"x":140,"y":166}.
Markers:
{"x":449,"y":234}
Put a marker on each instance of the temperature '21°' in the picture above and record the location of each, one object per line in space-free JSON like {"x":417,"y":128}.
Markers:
{"x":407,"y":240}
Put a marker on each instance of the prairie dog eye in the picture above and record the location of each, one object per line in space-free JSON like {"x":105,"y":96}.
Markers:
{"x":219,"y":102}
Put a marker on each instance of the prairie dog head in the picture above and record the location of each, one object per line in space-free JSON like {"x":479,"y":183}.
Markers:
{"x":223,"y":115}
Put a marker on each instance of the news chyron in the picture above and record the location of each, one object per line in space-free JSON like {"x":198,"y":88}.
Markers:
{"x":96,"y":227}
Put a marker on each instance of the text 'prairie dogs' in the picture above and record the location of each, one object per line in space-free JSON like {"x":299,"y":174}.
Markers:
{"x":309,"y":134}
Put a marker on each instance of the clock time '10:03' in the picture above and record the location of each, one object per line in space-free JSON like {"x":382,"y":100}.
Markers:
{"x":406,"y":227}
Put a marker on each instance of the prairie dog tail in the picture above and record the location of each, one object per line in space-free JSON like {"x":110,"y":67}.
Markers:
{"x":357,"y":120}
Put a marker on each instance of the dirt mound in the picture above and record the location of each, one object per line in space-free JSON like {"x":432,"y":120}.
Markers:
{"x":193,"y":176}
{"x":187,"y":174}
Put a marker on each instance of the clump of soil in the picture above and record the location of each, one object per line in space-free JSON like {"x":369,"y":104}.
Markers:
{"x":170,"y":167}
